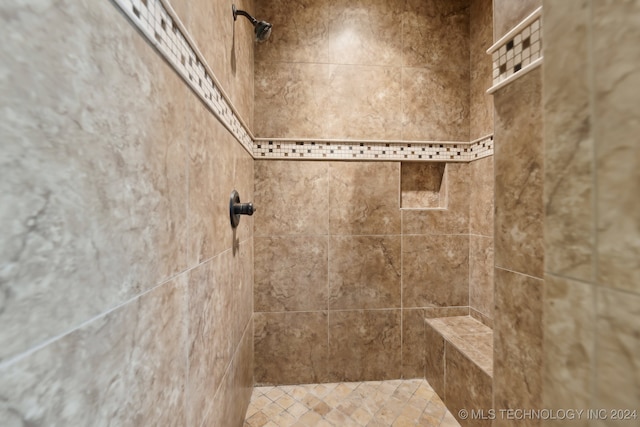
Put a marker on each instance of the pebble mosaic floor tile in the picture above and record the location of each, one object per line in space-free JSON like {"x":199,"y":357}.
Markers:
{"x":396,"y":403}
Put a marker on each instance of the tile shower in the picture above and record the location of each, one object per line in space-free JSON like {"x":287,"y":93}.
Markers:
{"x":127,"y":299}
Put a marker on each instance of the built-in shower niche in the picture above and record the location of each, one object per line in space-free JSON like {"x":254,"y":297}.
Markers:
{"x":423,"y":185}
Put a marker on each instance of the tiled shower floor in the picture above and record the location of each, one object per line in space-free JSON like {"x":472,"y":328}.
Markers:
{"x":397,"y":403}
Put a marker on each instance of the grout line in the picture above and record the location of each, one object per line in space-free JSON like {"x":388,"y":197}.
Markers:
{"x":518,"y":272}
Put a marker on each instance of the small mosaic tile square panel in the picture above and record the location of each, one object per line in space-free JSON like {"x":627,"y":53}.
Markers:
{"x":371,"y":403}
{"x":519,"y":49}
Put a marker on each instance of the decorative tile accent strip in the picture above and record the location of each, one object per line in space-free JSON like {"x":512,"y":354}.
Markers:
{"x":481,"y":147}
{"x":517,"y":52}
{"x":157,"y":21}
{"x":348,"y":150}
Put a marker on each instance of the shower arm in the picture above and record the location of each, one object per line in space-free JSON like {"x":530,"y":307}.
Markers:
{"x":237,"y":12}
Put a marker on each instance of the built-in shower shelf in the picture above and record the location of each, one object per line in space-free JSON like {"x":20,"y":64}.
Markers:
{"x":423,"y":185}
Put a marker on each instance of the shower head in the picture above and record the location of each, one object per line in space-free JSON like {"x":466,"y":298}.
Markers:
{"x":261,"y":28}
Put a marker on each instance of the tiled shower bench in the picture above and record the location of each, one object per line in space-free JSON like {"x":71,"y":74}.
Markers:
{"x":459,"y":365}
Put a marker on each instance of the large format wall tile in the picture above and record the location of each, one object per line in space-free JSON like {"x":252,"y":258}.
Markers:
{"x":229,"y":405}
{"x":481,"y":266}
{"x":617,"y":87}
{"x":290,"y":348}
{"x":364,"y":198}
{"x":355,"y":96}
{"x":300,"y":31}
{"x":508,"y":13}
{"x":569,"y":344}
{"x":210,"y":348}
{"x":618,"y":344}
{"x":436,"y":34}
{"x":568,"y":142}
{"x":211,"y":167}
{"x":466,"y":387}
{"x":424,"y":93}
{"x":291,"y":99}
{"x":434,"y":359}
{"x":481,"y":197}
{"x":93,"y":204}
{"x":435,"y":271}
{"x":517,"y":380}
{"x":480,"y":39}
{"x":357,"y":281}
{"x":127,"y":368}
{"x":291,"y":273}
{"x":290,"y":197}
{"x":413,"y":343}
{"x":364,"y":345}
{"x":242,"y":277}
{"x":519,"y":182}
{"x":365,"y":32}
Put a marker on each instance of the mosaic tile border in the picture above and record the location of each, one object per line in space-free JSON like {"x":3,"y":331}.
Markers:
{"x":517,"y":52}
{"x":160,"y":25}
{"x":362,"y":150}
{"x":158,"y":22}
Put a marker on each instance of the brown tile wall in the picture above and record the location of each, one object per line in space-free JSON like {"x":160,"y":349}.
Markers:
{"x":348,"y":69}
{"x":518,"y":246}
{"x":518,"y":233}
{"x":592,"y":230}
{"x":344,"y":277}
{"x":124,"y":288}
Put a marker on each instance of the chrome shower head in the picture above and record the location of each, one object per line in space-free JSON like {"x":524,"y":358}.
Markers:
{"x":261,"y":28}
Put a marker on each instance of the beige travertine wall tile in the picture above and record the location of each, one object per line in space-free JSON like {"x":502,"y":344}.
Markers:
{"x":291,"y":273}
{"x":229,"y":405}
{"x":210,"y":303}
{"x":480,"y":317}
{"x":211,"y":168}
{"x":569,"y":220}
{"x":227,"y":46}
{"x":481,"y":38}
{"x":291,"y":99}
{"x":518,"y":356}
{"x":289,"y":195}
{"x":435,"y":271}
{"x":569,"y":345}
{"x":290,"y":348}
{"x":424,"y":93}
{"x":434,"y":359}
{"x":336,"y":70}
{"x":127,"y":367}
{"x":481,"y":264}
{"x":508,"y":13}
{"x":359,"y":281}
{"x":519,"y":176}
{"x":243,"y":182}
{"x":365,"y":32}
{"x":466,"y":387}
{"x":617,"y":374}
{"x":481,"y":196}
{"x":364,"y":198}
{"x":617,"y":87}
{"x":364,"y":345}
{"x":452,"y":220}
{"x":364,"y":102}
{"x":436,"y":34}
{"x":300,"y":31}
{"x":242,"y":277}
{"x":93,"y":200}
{"x":413,"y":343}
